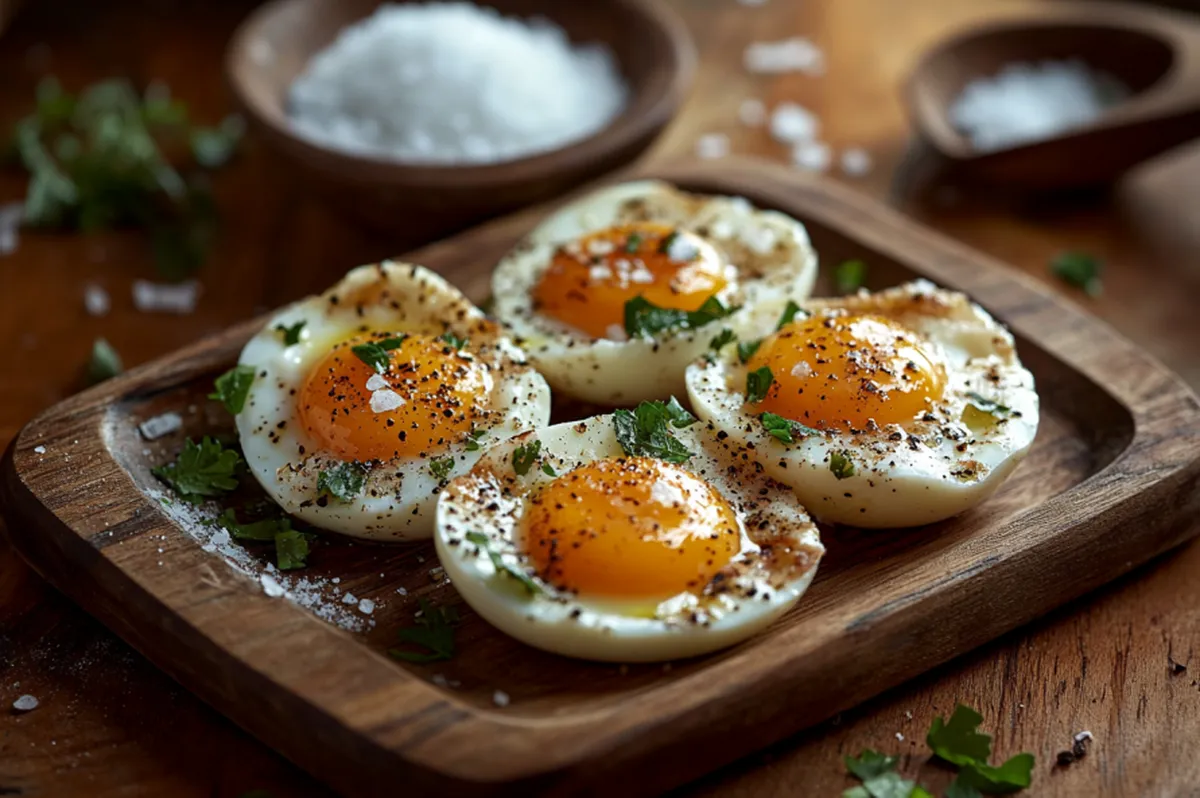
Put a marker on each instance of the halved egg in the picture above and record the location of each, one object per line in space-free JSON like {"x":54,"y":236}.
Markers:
{"x":887,"y":410}
{"x":617,"y":292}
{"x":568,"y":542}
{"x":369,"y":398}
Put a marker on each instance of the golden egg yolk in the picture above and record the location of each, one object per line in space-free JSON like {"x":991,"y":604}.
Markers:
{"x":589,"y":281}
{"x":429,"y":397}
{"x":630,"y":528}
{"x":840,"y":372}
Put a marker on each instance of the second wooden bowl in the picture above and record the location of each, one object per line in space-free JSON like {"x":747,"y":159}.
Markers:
{"x":652,"y":47}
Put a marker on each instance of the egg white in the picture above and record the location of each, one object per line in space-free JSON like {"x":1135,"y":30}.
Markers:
{"x":778,"y":558}
{"x":904,"y":475}
{"x":398,"y":500}
{"x":767,"y":256}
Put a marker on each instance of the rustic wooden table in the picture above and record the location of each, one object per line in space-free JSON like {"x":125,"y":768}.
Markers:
{"x":110,"y":724}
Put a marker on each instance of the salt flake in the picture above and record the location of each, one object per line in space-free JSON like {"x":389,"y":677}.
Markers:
{"x":25,"y":703}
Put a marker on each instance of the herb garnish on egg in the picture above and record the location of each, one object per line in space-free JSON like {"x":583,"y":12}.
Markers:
{"x":643,"y":318}
{"x":784,"y":429}
{"x":503,"y":567}
{"x":232,"y":388}
{"x":645,"y":431}
{"x":376,"y":353}
{"x":758,"y":383}
{"x":291,"y":332}
{"x":342,"y":480}
{"x":441,"y":467}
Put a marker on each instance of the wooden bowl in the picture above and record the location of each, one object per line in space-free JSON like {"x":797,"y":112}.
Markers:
{"x":1153,"y":51}
{"x":652,"y":47}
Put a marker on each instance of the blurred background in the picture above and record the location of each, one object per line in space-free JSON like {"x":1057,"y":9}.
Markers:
{"x":158,"y":189}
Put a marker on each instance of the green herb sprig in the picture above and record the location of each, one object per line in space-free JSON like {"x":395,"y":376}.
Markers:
{"x":645,"y":319}
{"x":645,"y":431}
{"x":434,"y":632}
{"x":202,"y":470}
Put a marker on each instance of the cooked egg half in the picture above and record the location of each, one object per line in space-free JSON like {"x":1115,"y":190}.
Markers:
{"x":887,"y":410}
{"x":394,"y":384}
{"x":566,"y":290}
{"x":562,"y":540}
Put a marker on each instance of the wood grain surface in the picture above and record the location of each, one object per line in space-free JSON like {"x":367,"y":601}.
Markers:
{"x":110,"y":724}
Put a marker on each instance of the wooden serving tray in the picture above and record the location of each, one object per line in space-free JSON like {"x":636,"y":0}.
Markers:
{"x":1111,"y":482}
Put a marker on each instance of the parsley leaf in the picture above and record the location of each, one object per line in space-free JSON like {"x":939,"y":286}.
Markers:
{"x":502,"y":567}
{"x":869,"y":764}
{"x":784,"y":429}
{"x":959,"y":742}
{"x":259,"y":531}
{"x":525,"y":456}
{"x":291,"y":550}
{"x":646,"y":431}
{"x":746,"y":349}
{"x":788,"y":315}
{"x":726,"y":336}
{"x":343,"y":481}
{"x":988,"y":405}
{"x":441,"y":467}
{"x":375,"y":353}
{"x":473,"y":442}
{"x":548,"y":470}
{"x":643,"y":318}
{"x":879,"y":778}
{"x":758,"y":382}
{"x":680,"y":418}
{"x":232,"y":388}
{"x":1080,"y":270}
{"x":104,"y":362}
{"x":633,"y":243}
{"x":291,"y":333}
{"x":434,"y":631}
{"x":453,"y":340}
{"x":960,"y":789}
{"x":201,"y":470}
{"x":212,"y":147}
{"x":849,"y":276}
{"x":841,"y":465}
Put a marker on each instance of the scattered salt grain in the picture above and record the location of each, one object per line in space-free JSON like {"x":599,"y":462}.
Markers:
{"x":908,"y":714}
{"x":899,"y":736}
{"x":1030,"y":101}
{"x":796,"y":54}
{"x":402,"y":591}
{"x":454,"y":82}
{"x":500,"y":698}
{"x":752,"y":112}
{"x":1083,"y":735}
{"x":11,"y":216}
{"x":385,"y":400}
{"x":179,"y":298}
{"x":337,"y":580}
{"x":96,"y":300}
{"x":271,"y":586}
{"x":25,"y":703}
{"x":792,"y":123}
{"x":158,"y":426}
{"x":712,"y":145}
{"x":366,"y":606}
{"x":349,"y":598}
{"x":377,"y":381}
{"x":856,"y":162}
{"x":39,"y":449}
{"x":814,"y":156}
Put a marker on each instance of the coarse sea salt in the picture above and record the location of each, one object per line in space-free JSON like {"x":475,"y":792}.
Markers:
{"x":813,"y":156}
{"x":856,"y":161}
{"x":795,"y":54}
{"x":25,"y":703}
{"x":452,"y":83}
{"x":712,"y":145}
{"x":792,"y":123}
{"x":1029,"y":101}
{"x":96,"y":300}
{"x":179,"y":298}
{"x":11,"y":216}
{"x":160,"y":425}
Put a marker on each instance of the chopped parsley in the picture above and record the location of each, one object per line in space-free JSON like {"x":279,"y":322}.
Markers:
{"x":988,"y":405}
{"x":784,"y":429}
{"x":291,"y":545}
{"x":721,"y":339}
{"x":879,"y":778}
{"x":1080,"y":270}
{"x":291,"y":332}
{"x":291,"y":550}
{"x":473,"y":441}
{"x":441,"y":467}
{"x":375,"y":353}
{"x":104,"y":362}
{"x":502,"y":567}
{"x":434,"y":632}
{"x":232,"y":388}
{"x":633,"y":243}
{"x":849,"y":276}
{"x":680,"y":418}
{"x":758,"y":382}
{"x":788,"y":315}
{"x":645,"y":431}
{"x":644,"y":318}
{"x":668,"y":241}
{"x":959,"y":742}
{"x":548,"y":470}
{"x":202,"y":470}
{"x":746,"y":349}
{"x":525,"y":455}
{"x":342,"y":481}
{"x":453,"y":340}
{"x":841,"y":465}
